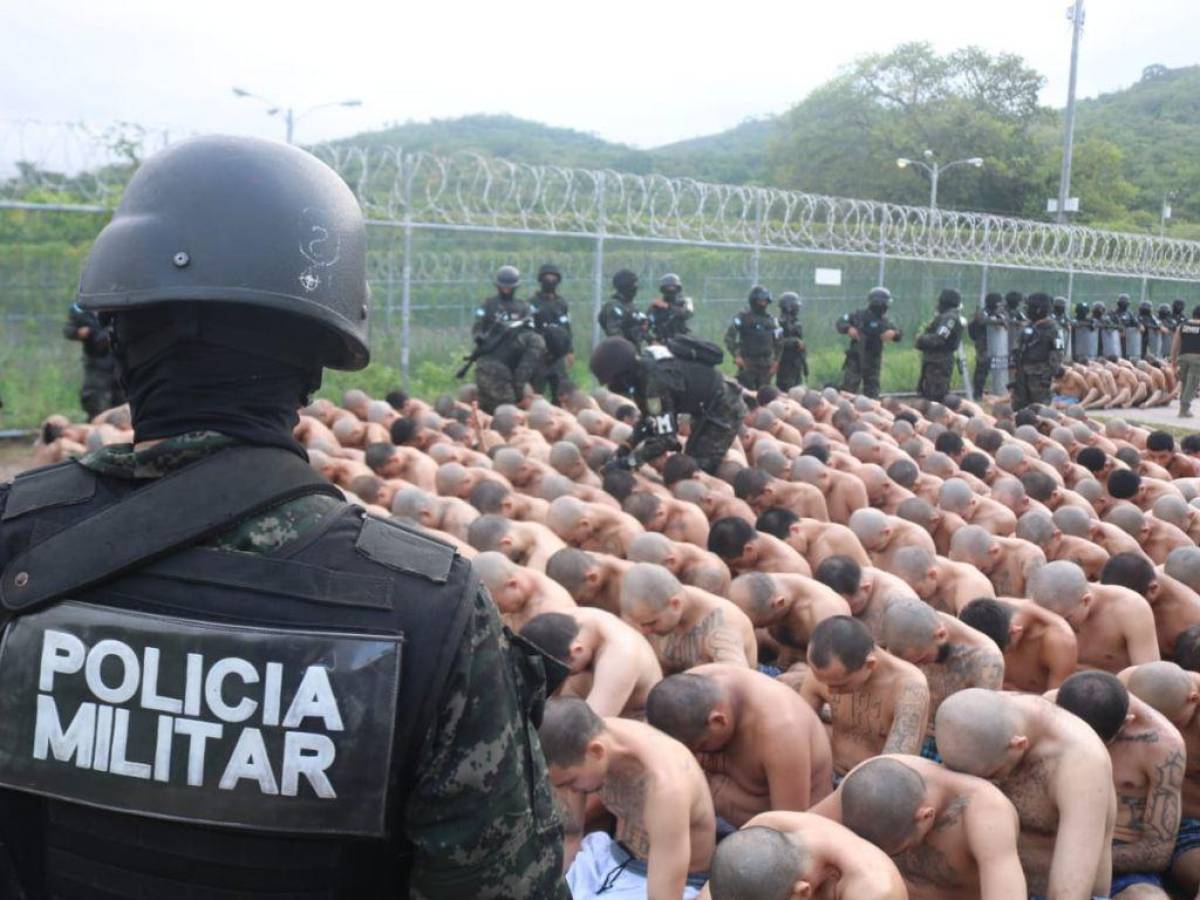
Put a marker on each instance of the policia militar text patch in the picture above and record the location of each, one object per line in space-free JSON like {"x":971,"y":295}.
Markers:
{"x":262,"y":728}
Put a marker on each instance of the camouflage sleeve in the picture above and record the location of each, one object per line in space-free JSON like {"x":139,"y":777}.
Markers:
{"x":481,"y":816}
{"x":732,"y":337}
{"x":483,"y":321}
{"x":611,"y":320}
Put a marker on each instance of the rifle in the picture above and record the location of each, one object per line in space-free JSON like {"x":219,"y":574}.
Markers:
{"x":489,"y":343}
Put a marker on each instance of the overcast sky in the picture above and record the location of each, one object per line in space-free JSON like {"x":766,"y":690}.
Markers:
{"x":644,"y":73}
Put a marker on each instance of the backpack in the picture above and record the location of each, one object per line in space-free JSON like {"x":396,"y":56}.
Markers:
{"x":694,"y":349}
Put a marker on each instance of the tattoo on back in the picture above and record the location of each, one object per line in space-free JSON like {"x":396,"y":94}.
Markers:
{"x":626,"y":799}
{"x":709,"y":640}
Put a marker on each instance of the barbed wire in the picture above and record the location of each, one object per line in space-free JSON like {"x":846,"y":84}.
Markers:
{"x":470,"y":191}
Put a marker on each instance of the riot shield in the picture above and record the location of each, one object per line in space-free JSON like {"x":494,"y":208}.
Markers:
{"x":1086,"y":343}
{"x":1154,"y":343}
{"x":1133,"y":342}
{"x":998,"y":353}
{"x":1064,"y":333}
{"x":1110,"y":341}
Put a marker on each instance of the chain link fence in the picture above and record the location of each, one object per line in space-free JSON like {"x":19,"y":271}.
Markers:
{"x":439,"y":228}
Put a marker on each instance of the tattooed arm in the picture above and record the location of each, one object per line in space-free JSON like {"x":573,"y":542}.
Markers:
{"x":721,"y":639}
{"x":909,"y":720}
{"x":992,"y":828}
{"x":1160,"y":811}
{"x":989,"y":670}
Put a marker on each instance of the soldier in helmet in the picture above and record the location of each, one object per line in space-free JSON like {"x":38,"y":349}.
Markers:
{"x":285,"y":697}
{"x":664,"y":386}
{"x":1016,"y":318}
{"x":1166,"y":318}
{"x":869,"y":329}
{"x":793,"y":358}
{"x":1178,"y":313}
{"x":938,"y":343}
{"x":1122,"y":318}
{"x":619,"y":317}
{"x":670,"y":311}
{"x":503,"y":306}
{"x":511,"y":351}
{"x":1038,"y":356}
{"x":552,"y":319}
{"x":1083,"y":328}
{"x":1062,"y":319}
{"x":101,"y":388}
{"x":1152,"y":329}
{"x":754,"y":339}
{"x":992,"y":313}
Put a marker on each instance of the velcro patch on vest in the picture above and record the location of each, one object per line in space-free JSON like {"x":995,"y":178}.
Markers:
{"x":259,"y":728}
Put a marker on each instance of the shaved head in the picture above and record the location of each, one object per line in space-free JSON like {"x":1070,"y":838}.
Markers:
{"x":679,"y":706}
{"x":411,"y":502}
{"x":449,"y":476}
{"x":565,"y":457}
{"x":1128,"y":518}
{"x":758,"y":864}
{"x":564,"y":514}
{"x":508,"y":461}
{"x":486,"y":532}
{"x":1163,"y":685}
{"x":880,"y":800}
{"x":1073,"y":521}
{"x":912,"y":564}
{"x":869,"y":526}
{"x":1173,"y":510}
{"x":1183,"y":563}
{"x":493,"y":569}
{"x":1037,"y":527}
{"x":975,"y":728}
{"x":916,"y":510}
{"x":807,"y":469}
{"x":753,"y":592}
{"x":569,"y":567}
{"x":862,"y":445}
{"x":939,"y":464}
{"x":909,"y":627}
{"x":648,"y":586}
{"x":650,"y":547}
{"x":972,"y":545}
{"x":1059,"y":586}
{"x":955,"y":496}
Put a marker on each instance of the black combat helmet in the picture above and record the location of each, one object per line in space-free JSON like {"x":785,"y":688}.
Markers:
{"x":1081,"y":311}
{"x":613,"y":361}
{"x":1013,"y":300}
{"x":789,"y":303}
{"x":625,"y":283}
{"x":1122,"y":302}
{"x":1164,"y":309}
{"x":879,"y":299}
{"x":1039,"y":306}
{"x":759,"y":296}
{"x":1146,"y":308}
{"x":1177,"y":307}
{"x":549,"y":272}
{"x":1060,"y":305}
{"x":670,"y":285}
{"x":507,"y":278}
{"x":992,"y":301}
{"x":1098,"y":310}
{"x":949,"y":298}
{"x":233,"y":225}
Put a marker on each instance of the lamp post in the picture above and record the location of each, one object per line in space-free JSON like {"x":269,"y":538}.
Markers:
{"x":1075,"y":15}
{"x":290,"y":116}
{"x":1166,"y":213}
{"x":935,"y":169}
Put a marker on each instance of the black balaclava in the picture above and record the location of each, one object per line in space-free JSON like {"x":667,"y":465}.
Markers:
{"x":193,"y":385}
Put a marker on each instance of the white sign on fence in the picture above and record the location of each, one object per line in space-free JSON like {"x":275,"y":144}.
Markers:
{"x":832,"y":277}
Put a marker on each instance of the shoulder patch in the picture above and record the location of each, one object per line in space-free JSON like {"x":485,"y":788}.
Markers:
{"x":59,"y":485}
{"x":405,"y":549}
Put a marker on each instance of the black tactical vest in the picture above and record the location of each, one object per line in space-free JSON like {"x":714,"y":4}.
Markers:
{"x":220,"y":725}
{"x":1189,"y":336}
{"x":756,"y":333}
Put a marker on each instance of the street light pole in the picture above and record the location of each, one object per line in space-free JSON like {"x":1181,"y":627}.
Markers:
{"x":289,"y":114}
{"x":1165,"y":213}
{"x":1075,"y":14}
{"x":935,"y":169}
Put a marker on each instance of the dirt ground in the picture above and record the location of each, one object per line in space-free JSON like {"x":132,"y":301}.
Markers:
{"x":15,"y":456}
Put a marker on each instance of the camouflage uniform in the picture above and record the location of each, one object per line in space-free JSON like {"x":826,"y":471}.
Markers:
{"x":793,"y":358}
{"x":100,"y":389}
{"x":977,"y":330}
{"x":938,"y":343}
{"x":864,"y":357}
{"x":1038,"y":357}
{"x":620,"y":318}
{"x":754,"y":335}
{"x":502,"y":375}
{"x":552,"y":319}
{"x":669,"y":319}
{"x":480,"y":813}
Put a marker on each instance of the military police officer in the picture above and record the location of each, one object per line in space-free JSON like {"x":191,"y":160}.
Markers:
{"x":101,"y":388}
{"x":1038,"y":356}
{"x":938,"y":343}
{"x":869,"y":329}
{"x":1062,"y":318}
{"x":664,"y":386}
{"x":754,"y":339}
{"x":793,"y":358}
{"x":1016,"y":318}
{"x":1185,"y":356}
{"x":217,"y":678}
{"x":619,"y":317}
{"x":669,"y":312}
{"x":502,"y":306}
{"x":1151,"y":330}
{"x":977,"y":330}
{"x":510,"y":350}
{"x":552,"y":319}
{"x":1123,"y":318}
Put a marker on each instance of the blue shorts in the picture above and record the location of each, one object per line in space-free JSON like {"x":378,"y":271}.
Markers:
{"x":1129,"y":879}
{"x":1066,"y":399}
{"x":1188,"y":838}
{"x":929,"y":750}
{"x":773,"y":671}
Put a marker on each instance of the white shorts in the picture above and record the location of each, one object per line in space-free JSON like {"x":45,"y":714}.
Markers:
{"x":597,"y":872}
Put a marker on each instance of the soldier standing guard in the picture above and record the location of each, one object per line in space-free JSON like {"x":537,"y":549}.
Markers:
{"x":552,"y":319}
{"x":101,"y":388}
{"x":512,"y":351}
{"x":938,"y":343}
{"x":669,"y":312}
{"x":1016,"y":319}
{"x":1063,"y":320}
{"x":1127,"y":323}
{"x":990,"y":316}
{"x":869,"y":329}
{"x":1151,"y":330}
{"x":793,"y":359}
{"x":1038,"y":356}
{"x":619,"y":317}
{"x":754,"y":340}
{"x":282,"y":696}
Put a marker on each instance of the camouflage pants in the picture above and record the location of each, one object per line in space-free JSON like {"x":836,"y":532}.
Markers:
{"x":496,"y":384}
{"x":861,"y":370}
{"x":1032,"y":385}
{"x":551,"y":379}
{"x":714,"y":429}
{"x":792,"y":369}
{"x":99,"y":390}
{"x":936,"y":375}
{"x":756,"y":373}
{"x":980,"y":375}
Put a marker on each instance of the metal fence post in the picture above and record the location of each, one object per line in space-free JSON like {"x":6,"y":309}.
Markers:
{"x":883,"y":224}
{"x":406,"y":275}
{"x":758,"y":224}
{"x":598,"y":262}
